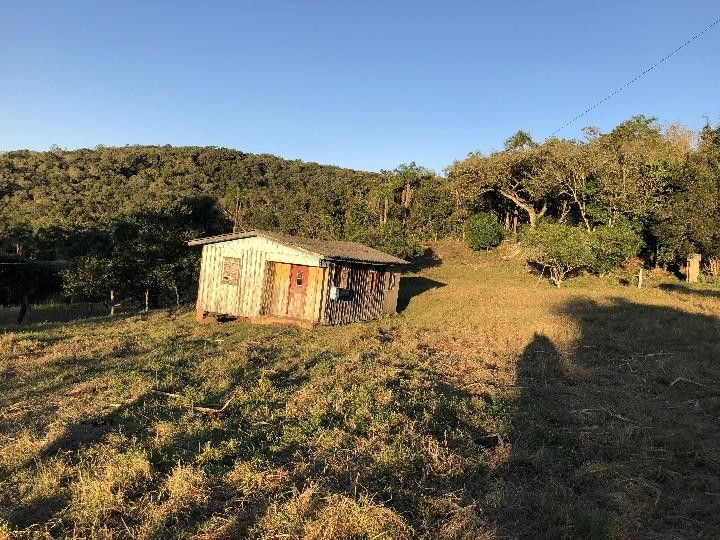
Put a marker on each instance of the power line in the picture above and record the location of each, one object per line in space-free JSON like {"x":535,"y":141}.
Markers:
{"x":636,"y":78}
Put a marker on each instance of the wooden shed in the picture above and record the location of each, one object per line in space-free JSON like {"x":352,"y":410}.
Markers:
{"x":261,"y":276}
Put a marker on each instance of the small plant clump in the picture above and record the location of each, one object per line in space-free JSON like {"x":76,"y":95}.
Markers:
{"x":558,"y":248}
{"x":482,"y":231}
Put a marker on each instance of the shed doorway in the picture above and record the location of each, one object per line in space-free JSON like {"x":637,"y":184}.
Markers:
{"x":286,"y":290}
{"x":297,"y":291}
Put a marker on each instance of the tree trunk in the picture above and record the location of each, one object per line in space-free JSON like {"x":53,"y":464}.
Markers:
{"x":236,"y":214}
{"x":177,"y":296}
{"x":147,"y":300}
{"x":112,"y":302}
{"x":24,"y":310}
{"x":533,"y":215}
{"x":564,"y":212}
{"x":408,"y":195}
{"x":385,"y":211}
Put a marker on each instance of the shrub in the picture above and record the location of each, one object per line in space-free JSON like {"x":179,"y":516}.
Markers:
{"x":559,"y":248}
{"x":612,"y":246}
{"x":482,"y":231}
{"x":87,"y":278}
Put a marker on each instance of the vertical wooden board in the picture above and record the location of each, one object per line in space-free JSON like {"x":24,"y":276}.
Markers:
{"x":204,"y":279}
{"x":324,"y":292}
{"x":391,"y":295}
{"x":247,"y":283}
{"x":260,"y":264}
{"x":200,"y":300}
{"x":280,"y":286}
{"x":211,"y":279}
{"x":315,"y":294}
{"x":310,"y":294}
{"x":267,"y":292}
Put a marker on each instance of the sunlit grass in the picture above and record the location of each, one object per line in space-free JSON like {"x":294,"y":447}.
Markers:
{"x":493,"y":405}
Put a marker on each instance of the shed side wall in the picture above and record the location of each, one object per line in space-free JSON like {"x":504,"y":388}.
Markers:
{"x":365,"y":302}
{"x":244,"y":299}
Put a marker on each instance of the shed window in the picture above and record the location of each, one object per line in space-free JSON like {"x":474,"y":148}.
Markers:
{"x":299,"y":279}
{"x":373,"y":280}
{"x":231,"y":271}
{"x":343,"y":278}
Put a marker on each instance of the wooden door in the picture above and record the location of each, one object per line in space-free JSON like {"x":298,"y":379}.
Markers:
{"x":297,"y":291}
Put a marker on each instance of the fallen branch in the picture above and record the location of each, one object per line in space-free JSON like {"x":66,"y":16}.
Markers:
{"x":606,"y":411}
{"x":193,"y":406}
{"x":687,"y":381}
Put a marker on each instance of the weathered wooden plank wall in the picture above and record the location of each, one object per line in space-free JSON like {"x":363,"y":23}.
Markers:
{"x":392,"y":288}
{"x":262,"y":288}
{"x":246,"y":298}
{"x":367,"y":293}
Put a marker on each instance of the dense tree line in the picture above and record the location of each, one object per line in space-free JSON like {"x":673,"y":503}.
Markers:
{"x":637,"y":189}
{"x":124,"y":213}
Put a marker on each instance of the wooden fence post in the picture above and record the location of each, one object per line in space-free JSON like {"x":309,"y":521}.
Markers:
{"x":693,"y":267}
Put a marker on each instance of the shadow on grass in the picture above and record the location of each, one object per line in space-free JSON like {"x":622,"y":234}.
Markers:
{"x":615,"y":436}
{"x":428,"y":259}
{"x":684,"y":289}
{"x":619,"y":437}
{"x":411,"y":286}
{"x":77,"y":437}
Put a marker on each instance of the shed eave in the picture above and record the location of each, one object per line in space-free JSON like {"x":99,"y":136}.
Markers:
{"x":381,"y":259}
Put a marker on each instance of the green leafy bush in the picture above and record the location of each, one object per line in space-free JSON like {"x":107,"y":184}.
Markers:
{"x":612,"y":246}
{"x":87,"y":278}
{"x":482,"y":231}
{"x":558,"y":248}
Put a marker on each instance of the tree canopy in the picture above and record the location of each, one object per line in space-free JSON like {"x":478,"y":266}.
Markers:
{"x":142,"y":202}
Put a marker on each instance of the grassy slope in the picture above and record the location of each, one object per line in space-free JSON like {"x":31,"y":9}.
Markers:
{"x":493,"y":406}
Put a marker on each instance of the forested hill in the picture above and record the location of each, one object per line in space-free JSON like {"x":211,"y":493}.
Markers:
{"x":46,"y":195}
{"x":120,"y":216}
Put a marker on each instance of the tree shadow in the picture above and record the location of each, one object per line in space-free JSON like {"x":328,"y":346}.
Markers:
{"x":619,"y":436}
{"x":428,"y":259}
{"x":683,"y":289}
{"x":411,"y":286}
{"x":75,"y":439}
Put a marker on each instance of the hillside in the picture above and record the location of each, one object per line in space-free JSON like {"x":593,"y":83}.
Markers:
{"x":493,"y":405}
{"x":50,"y":198}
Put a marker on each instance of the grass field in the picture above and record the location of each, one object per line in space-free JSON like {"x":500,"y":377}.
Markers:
{"x":492,"y":406}
{"x":44,"y":313}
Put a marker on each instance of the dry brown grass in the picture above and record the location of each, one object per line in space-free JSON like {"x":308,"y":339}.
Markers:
{"x":493,"y":406}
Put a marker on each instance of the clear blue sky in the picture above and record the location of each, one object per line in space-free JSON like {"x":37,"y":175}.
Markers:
{"x":366,"y":84}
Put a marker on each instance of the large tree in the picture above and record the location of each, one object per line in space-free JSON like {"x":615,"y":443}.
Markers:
{"x":516,"y":174}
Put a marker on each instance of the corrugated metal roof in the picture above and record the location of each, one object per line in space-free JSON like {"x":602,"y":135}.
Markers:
{"x":326,"y":249}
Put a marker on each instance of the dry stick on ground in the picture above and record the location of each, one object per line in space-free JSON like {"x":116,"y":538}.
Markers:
{"x":687,"y":381}
{"x":200,"y":408}
{"x":606,"y":411}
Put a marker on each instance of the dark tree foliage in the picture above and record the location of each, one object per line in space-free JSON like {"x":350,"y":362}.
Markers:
{"x":612,"y":246}
{"x":135,"y":206}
